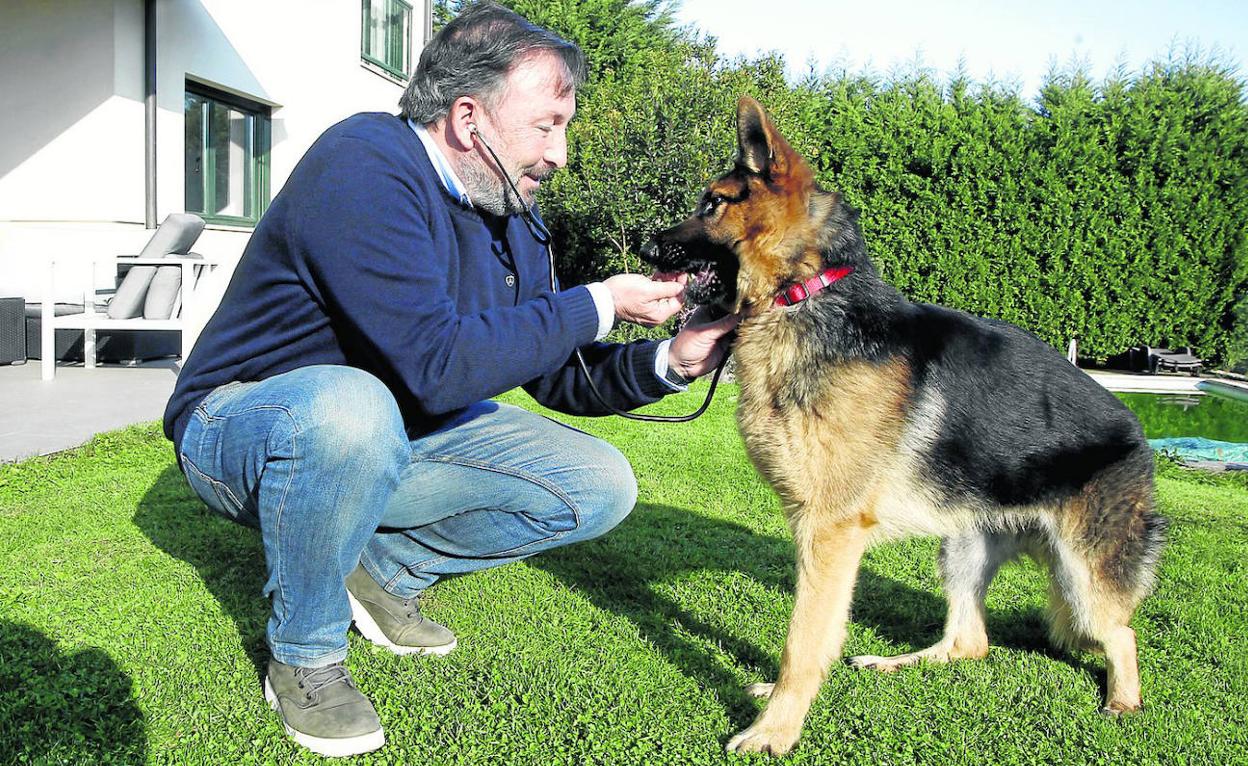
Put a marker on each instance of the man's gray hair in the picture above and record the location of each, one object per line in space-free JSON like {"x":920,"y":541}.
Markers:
{"x":472,"y":56}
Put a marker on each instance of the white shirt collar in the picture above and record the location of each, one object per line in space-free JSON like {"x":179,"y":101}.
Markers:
{"x":443,"y":166}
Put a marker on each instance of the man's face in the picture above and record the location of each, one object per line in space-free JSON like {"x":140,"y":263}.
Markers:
{"x":528,"y":128}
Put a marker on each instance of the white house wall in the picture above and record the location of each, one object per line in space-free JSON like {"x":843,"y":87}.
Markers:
{"x":71,"y":111}
{"x":72,"y":176}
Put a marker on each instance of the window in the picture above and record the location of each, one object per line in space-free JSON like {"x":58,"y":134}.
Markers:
{"x":387,"y":37}
{"x":227,"y":157}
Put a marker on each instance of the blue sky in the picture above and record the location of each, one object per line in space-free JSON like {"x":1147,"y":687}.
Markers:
{"x":1009,"y":40}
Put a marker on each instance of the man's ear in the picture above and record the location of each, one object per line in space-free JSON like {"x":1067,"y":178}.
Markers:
{"x":461,"y":119}
{"x":760,"y":147}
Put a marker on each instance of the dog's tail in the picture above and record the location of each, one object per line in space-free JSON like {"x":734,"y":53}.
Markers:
{"x":1153,"y":540}
{"x":1120,"y":528}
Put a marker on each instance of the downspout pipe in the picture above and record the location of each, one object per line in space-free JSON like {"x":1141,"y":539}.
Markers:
{"x":149,"y":103}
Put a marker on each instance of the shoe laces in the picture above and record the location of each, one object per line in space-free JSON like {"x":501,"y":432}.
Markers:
{"x":312,"y":680}
{"x":412,"y":607}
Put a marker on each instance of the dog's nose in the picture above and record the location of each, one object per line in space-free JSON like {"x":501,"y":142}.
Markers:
{"x":650,"y":250}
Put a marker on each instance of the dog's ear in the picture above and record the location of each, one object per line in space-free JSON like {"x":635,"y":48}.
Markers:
{"x":760,"y":147}
{"x":753,"y":146}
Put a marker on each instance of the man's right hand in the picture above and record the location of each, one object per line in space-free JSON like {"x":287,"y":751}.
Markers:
{"x":644,"y":301}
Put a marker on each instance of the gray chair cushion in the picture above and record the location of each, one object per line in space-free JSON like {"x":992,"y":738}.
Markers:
{"x":162,"y":293}
{"x":127,"y":303}
{"x":176,"y":234}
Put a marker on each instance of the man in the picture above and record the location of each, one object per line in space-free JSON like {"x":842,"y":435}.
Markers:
{"x":337,"y":400}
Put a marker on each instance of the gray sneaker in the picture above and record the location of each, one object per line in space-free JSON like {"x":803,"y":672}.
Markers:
{"x":322,"y":710}
{"x":393,"y":622}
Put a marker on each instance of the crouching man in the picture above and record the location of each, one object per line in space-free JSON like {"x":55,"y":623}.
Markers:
{"x":338,"y":398}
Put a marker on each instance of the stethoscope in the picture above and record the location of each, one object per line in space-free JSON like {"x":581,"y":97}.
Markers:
{"x":542,"y":235}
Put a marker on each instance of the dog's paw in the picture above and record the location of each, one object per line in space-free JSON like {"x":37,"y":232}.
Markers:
{"x":761,"y":738}
{"x":760,"y":690}
{"x":1115,"y":709}
{"x":872,"y":662}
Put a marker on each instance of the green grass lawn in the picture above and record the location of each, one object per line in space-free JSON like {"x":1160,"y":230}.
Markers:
{"x":132,"y":630}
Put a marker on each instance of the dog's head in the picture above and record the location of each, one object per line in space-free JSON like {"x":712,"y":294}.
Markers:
{"x":757,"y":228}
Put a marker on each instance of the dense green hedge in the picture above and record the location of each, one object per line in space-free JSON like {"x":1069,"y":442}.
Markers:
{"x":1111,"y":212}
{"x":1114,"y":214}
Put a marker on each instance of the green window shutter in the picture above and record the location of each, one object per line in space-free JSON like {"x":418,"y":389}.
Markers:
{"x":226,"y":155}
{"x":400,"y":22}
{"x":385,"y":36}
{"x":195,"y":164}
{"x":390,"y":35}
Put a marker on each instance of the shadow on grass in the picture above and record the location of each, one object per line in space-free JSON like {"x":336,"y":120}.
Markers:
{"x":616,"y":572}
{"x":228,"y":556}
{"x":658,"y":542}
{"x":64,"y":708}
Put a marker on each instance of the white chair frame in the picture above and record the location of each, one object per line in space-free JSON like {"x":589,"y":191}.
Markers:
{"x":91,"y":321}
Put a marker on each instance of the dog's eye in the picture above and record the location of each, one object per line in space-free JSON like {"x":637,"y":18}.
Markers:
{"x":711,"y":204}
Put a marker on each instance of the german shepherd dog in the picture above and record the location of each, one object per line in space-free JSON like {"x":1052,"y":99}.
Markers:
{"x":873,"y":418}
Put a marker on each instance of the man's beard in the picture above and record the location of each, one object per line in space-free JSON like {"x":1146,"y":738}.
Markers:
{"x":494,"y":195}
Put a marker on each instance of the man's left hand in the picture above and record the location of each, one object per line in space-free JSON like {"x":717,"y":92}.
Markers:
{"x":701,"y":344}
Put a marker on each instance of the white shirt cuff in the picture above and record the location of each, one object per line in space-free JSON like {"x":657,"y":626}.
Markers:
{"x":606,"y":308}
{"x":660,"y":367}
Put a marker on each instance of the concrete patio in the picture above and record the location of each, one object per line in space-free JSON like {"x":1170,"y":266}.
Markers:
{"x":41,"y":417}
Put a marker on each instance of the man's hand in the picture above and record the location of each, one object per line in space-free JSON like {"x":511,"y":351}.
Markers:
{"x":644,"y":301}
{"x":701,"y":344}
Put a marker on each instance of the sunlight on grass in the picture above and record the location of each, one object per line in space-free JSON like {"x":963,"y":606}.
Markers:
{"x":131,"y":630}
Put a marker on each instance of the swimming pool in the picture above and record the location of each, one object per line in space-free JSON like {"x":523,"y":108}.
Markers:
{"x":1210,"y":416}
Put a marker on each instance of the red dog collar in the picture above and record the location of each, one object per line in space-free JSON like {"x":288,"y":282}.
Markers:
{"x":800,"y":291}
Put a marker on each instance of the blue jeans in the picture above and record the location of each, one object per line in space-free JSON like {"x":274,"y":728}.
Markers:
{"x":319,"y":461}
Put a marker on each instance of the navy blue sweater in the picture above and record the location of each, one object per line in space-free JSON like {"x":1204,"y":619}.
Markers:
{"x":365,"y":259}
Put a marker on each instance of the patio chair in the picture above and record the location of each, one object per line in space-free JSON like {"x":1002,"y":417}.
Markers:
{"x":1175,"y":361}
{"x":158,"y":285}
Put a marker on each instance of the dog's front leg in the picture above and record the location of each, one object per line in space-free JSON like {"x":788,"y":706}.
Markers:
{"x":827,"y":566}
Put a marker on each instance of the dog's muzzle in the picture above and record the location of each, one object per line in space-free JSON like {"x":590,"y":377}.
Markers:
{"x":705,"y":285}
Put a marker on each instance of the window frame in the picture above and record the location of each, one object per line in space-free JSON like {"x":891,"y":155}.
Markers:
{"x":257,"y":163}
{"x":403,"y":47}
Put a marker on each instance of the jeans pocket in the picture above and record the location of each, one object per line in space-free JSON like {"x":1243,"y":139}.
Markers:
{"x":216,"y":395}
{"x":217,"y":495}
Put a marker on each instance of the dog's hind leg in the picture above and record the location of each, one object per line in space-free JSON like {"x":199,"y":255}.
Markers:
{"x":1087,"y":612}
{"x":1090,"y":608}
{"x":968,"y":562}
{"x":827,"y":566}
{"x":1103,"y":551}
